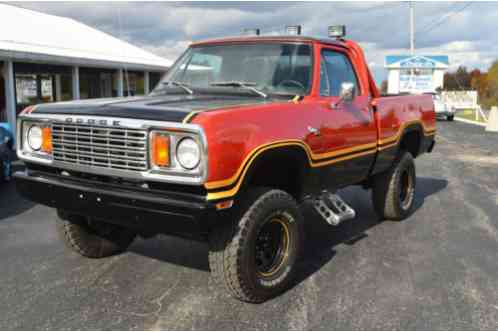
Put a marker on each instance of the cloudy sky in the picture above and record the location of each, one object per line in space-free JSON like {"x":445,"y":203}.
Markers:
{"x":466,"y":31}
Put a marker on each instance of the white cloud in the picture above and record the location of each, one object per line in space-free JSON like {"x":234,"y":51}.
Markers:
{"x":170,"y":50}
{"x":166,"y":29}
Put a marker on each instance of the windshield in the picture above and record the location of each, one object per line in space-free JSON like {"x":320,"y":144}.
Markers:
{"x":269,"y":67}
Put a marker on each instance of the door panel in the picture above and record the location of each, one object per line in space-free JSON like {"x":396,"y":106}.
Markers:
{"x":349,"y":130}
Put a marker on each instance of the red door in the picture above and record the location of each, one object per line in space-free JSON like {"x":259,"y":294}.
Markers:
{"x":348,"y":132}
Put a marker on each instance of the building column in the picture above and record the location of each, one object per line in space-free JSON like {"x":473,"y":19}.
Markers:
{"x":58,"y":87}
{"x":10,"y":95}
{"x":76,"y":83}
{"x":120,"y":83}
{"x":146,"y":83}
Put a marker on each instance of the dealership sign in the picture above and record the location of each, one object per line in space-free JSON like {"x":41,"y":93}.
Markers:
{"x":417,"y":62}
{"x":415,"y":73}
{"x":412,"y":81}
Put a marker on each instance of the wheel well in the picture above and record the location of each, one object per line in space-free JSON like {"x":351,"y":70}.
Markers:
{"x":283,"y":168}
{"x":411,"y":141}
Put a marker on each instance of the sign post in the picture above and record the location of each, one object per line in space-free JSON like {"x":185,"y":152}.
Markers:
{"x":493,"y":120}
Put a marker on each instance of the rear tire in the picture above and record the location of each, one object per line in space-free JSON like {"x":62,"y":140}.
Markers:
{"x":93,"y":238}
{"x":254,"y":255}
{"x":450,"y":117}
{"x":393,"y":191}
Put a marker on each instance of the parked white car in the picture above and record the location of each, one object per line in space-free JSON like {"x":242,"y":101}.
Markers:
{"x":442,"y":110}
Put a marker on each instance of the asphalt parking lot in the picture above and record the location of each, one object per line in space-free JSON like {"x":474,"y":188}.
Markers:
{"x":436,"y":270}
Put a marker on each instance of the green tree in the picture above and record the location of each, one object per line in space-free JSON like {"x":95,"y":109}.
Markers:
{"x":492,"y":80}
{"x":458,"y":80}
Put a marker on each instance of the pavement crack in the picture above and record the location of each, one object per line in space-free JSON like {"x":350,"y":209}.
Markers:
{"x":157,"y":301}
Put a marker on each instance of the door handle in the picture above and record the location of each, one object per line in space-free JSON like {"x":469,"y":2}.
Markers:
{"x":313,"y":131}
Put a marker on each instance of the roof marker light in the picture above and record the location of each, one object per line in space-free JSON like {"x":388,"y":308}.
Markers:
{"x":294,"y":30}
{"x":337,"y":31}
{"x":251,"y":32}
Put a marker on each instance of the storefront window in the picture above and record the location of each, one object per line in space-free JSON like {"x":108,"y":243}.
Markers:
{"x":133,"y":84}
{"x":40,"y":83}
{"x":97,"y":83}
{"x":154,"y":79}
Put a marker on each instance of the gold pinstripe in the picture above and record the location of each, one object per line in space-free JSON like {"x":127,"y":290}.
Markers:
{"x":427,"y":131}
{"x":382,"y":148}
{"x":235,"y":189}
{"x":190,"y":116}
{"x":311,"y":155}
{"x":245,"y":165}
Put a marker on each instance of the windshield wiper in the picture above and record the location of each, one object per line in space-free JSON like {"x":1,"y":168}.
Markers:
{"x":182,"y":85}
{"x":245,"y":85}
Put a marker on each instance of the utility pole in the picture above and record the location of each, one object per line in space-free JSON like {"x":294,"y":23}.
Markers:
{"x":412,"y":29}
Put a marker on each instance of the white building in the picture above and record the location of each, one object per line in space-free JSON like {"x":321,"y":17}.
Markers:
{"x":46,"y":58}
{"x":415,"y":73}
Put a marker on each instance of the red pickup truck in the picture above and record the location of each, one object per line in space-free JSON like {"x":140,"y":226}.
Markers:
{"x":234,"y":138}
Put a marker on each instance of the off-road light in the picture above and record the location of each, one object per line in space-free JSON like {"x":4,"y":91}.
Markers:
{"x":160,"y":149}
{"x":294,"y":30}
{"x":34,"y":137}
{"x":188,"y":153}
{"x":337,"y":31}
{"x":251,"y":32}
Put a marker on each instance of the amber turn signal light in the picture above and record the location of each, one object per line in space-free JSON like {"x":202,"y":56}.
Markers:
{"x":160,"y":150}
{"x":47,"y":140}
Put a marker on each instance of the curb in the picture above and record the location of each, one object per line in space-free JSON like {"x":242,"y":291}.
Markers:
{"x":482,"y":124}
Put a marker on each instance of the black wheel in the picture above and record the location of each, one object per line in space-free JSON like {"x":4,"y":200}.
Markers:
{"x":450,"y":117}
{"x":254,"y":256}
{"x":93,"y":238}
{"x":394,"y":191}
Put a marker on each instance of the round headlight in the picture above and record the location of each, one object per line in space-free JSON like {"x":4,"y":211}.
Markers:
{"x":188,"y":153}
{"x":35,"y":138}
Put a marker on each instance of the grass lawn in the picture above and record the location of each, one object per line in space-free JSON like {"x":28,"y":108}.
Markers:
{"x":469,"y":115}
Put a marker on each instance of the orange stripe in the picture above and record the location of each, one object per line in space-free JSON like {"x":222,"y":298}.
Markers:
{"x":311,"y":157}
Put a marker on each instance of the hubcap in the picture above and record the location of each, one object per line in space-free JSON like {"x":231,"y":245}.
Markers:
{"x":272,"y":246}
{"x":406,"y":191}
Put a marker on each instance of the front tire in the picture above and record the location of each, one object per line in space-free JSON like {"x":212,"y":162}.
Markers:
{"x":393,"y":191}
{"x":254,"y":256}
{"x":450,"y":117}
{"x":93,"y":238}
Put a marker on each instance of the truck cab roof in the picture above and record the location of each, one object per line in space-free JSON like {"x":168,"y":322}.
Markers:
{"x":279,"y":38}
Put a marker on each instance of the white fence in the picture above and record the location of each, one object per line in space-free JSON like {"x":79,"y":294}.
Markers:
{"x":460,"y":100}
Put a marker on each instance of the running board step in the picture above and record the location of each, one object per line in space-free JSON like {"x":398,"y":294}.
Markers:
{"x":332,"y":208}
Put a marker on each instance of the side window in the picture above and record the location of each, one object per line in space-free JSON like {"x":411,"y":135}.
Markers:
{"x":324,"y":79}
{"x":339,"y":70}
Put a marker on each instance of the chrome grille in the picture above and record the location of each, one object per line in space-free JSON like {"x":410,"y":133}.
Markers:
{"x":116,"y":148}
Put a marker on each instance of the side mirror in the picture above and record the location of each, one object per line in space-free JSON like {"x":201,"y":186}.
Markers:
{"x":347,"y":92}
{"x":346,"y":95}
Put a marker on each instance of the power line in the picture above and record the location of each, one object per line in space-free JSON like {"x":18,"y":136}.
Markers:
{"x":444,"y":18}
{"x":450,"y":8}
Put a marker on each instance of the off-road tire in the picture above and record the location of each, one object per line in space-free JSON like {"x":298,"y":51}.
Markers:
{"x":450,"y":117}
{"x":387,"y":187}
{"x":88,"y":241}
{"x":232,"y":253}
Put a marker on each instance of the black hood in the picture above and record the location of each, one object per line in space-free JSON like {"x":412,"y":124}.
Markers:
{"x":172,"y":108}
